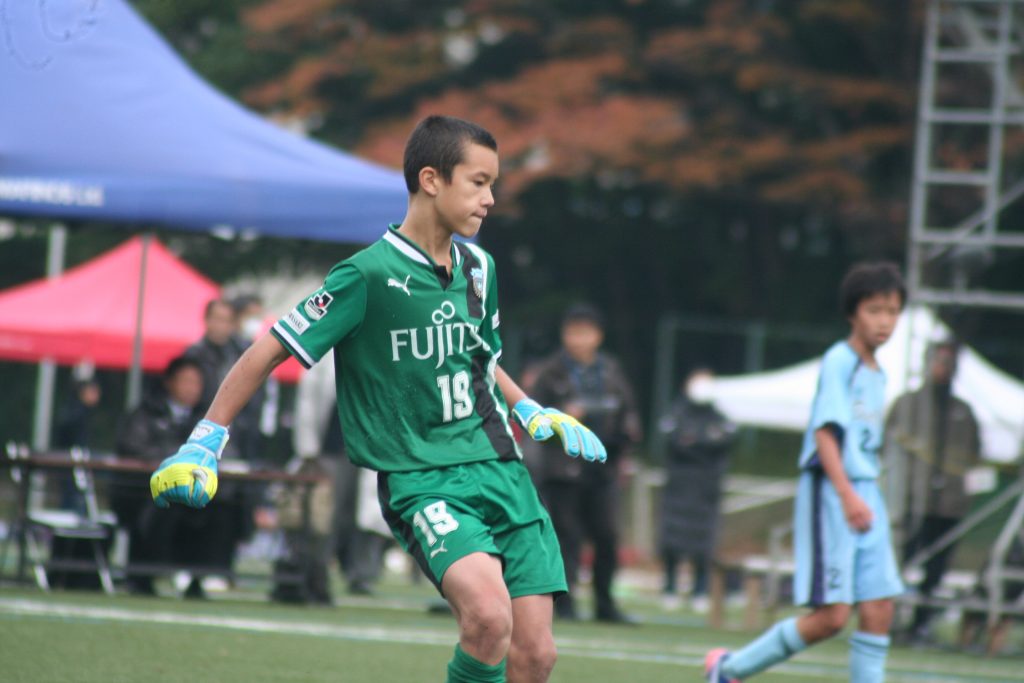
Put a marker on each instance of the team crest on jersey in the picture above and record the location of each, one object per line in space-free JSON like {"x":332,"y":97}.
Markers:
{"x":478,"y":282}
{"x":316,"y":305}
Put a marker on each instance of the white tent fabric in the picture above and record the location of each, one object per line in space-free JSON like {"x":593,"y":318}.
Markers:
{"x":781,"y":399}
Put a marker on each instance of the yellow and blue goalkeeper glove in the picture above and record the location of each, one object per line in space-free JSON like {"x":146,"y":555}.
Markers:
{"x":543,"y":423}
{"x":189,"y":477}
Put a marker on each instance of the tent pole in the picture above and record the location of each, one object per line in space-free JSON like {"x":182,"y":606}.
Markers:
{"x":135,"y":372}
{"x":47,"y":376}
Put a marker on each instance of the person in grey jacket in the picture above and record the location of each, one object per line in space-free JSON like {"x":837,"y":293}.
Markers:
{"x":939,"y":440}
{"x":699,"y":439}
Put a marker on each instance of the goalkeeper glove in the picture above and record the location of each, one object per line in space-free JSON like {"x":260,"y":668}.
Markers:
{"x":542,"y":423}
{"x":189,"y":477}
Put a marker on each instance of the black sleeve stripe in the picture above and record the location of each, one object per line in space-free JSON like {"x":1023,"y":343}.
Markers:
{"x":292,"y":346}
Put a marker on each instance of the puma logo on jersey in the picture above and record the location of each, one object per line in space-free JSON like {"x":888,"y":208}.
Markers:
{"x":404,"y":286}
{"x":438,"y":550}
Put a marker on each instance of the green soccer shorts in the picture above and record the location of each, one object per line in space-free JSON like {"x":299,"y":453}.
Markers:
{"x":442,"y":515}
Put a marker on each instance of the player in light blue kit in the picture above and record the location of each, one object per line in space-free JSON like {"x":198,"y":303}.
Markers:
{"x":844,"y":555}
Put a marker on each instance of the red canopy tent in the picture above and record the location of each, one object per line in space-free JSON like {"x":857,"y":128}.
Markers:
{"x":89,"y":312}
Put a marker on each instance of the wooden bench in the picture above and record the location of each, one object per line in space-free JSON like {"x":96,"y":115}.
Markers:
{"x":761,"y":581}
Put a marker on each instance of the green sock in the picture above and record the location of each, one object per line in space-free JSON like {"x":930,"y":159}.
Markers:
{"x":465,"y":669}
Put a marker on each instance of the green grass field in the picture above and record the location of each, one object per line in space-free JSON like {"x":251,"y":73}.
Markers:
{"x":77,"y":637}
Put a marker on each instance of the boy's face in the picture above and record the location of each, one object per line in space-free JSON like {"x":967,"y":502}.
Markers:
{"x":875,"y":318}
{"x":220,"y":323}
{"x":462,"y":204}
{"x":186,"y":386}
{"x":943,"y":366}
{"x":581,"y":338}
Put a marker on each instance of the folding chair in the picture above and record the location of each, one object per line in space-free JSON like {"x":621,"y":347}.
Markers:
{"x":44,"y":525}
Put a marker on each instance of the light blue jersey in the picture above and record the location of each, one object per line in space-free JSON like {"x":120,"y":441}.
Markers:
{"x":834,"y":562}
{"x":850,"y":398}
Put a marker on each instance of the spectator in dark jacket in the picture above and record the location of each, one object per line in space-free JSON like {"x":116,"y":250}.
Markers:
{"x":74,"y":430}
{"x":257,"y":423}
{"x":699,"y":439}
{"x":583,"y":381}
{"x":152,"y":432}
{"x":74,"y":418}
{"x":223,"y":343}
{"x":215,"y":353}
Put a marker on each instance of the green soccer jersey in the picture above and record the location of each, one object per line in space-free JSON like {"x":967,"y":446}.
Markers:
{"x":415,"y":353}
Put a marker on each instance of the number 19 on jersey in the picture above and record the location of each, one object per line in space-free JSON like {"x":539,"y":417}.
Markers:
{"x":456,"y":402}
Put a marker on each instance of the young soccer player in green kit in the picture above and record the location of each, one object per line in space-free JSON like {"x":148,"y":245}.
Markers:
{"x":412,"y":321}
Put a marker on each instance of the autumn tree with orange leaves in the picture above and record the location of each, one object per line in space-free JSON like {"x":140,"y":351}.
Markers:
{"x":720,"y":157}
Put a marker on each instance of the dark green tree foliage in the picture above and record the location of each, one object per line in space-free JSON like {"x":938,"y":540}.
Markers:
{"x":726,"y":157}
{"x":720,"y":157}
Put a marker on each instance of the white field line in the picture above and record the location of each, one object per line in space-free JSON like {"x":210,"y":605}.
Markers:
{"x":683,"y":655}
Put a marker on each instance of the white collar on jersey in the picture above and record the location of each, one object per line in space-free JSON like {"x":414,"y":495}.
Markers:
{"x":413,"y":253}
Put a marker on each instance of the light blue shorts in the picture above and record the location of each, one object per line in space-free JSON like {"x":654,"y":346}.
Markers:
{"x":834,"y":563}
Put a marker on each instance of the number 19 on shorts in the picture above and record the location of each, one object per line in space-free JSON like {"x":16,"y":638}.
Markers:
{"x":433,"y":521}
{"x":456,"y":402}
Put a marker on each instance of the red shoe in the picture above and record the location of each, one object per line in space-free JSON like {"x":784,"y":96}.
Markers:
{"x":713,"y":661}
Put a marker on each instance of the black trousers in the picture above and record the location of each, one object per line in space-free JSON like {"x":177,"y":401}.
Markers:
{"x":931,"y":529}
{"x":178,"y":535}
{"x":586,"y":510}
{"x":701,"y":566}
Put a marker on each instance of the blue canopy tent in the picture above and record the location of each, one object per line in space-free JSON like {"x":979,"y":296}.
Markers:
{"x":101,"y":120}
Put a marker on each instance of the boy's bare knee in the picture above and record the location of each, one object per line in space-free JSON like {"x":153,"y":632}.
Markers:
{"x":834,"y":623}
{"x":543,"y":655}
{"x":824,"y":623}
{"x":488,"y":623}
{"x":876,"y":616}
{"x":531,"y":661}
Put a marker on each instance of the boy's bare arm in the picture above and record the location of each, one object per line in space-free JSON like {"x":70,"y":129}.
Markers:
{"x":245,"y":377}
{"x":512,"y":392}
{"x":858,"y":514}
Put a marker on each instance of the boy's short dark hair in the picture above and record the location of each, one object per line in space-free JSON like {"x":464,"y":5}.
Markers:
{"x":438,"y":142}
{"x":583,"y":313}
{"x":243,"y":301}
{"x":178,"y":364}
{"x":950,"y":346}
{"x":213,"y":303}
{"x":867,"y":279}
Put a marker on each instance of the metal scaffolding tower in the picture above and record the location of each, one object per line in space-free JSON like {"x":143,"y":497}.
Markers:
{"x":966,"y":174}
{"x":969,"y":95}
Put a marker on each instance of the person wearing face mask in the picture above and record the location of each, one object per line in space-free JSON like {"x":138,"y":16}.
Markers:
{"x":258,"y":420}
{"x":937,"y":436}
{"x":229,"y":329}
{"x":699,"y":439}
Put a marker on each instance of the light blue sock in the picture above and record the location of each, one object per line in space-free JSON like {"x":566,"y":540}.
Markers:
{"x":778,"y":643}
{"x":867,"y":657}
